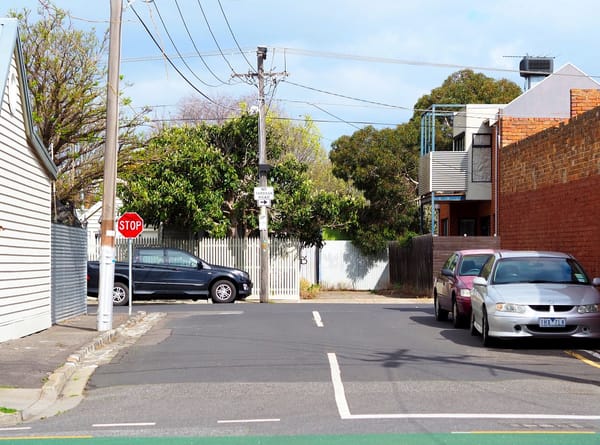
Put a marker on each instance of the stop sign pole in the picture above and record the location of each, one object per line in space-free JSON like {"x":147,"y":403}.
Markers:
{"x":130,"y":225}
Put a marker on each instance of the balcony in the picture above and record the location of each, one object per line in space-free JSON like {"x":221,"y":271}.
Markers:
{"x":444,"y":172}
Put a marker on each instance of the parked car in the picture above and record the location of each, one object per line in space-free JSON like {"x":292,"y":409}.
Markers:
{"x":534,"y":294}
{"x":453,"y":283}
{"x":160,"y":272}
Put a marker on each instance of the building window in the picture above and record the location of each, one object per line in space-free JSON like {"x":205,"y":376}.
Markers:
{"x":481,"y":159}
{"x":458,"y":144}
{"x":444,"y":227}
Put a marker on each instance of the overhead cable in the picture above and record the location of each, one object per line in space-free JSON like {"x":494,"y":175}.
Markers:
{"x":233,"y":35}
{"x":177,"y":49}
{"x":169,"y":60}
{"x":196,"y":48}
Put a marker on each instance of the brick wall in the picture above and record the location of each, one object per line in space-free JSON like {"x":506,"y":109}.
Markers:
{"x":584,"y":100}
{"x":550,"y":189}
{"x":516,"y":129}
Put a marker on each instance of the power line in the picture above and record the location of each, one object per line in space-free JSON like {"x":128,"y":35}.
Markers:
{"x":177,"y":49}
{"x":348,"y":97}
{"x":169,"y":60}
{"x":214,"y":38}
{"x":233,"y":35}
{"x":195,"y":47}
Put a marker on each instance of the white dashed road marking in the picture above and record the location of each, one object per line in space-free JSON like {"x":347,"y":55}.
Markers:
{"x":317,"y":318}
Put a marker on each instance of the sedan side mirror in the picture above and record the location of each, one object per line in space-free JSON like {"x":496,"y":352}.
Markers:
{"x":480,"y":281}
{"x":447,"y":273}
{"x":596,"y":282}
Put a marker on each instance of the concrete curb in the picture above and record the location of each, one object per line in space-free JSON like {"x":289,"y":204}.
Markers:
{"x":54,"y":386}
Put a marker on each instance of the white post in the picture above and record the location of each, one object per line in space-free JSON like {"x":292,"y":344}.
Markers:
{"x":129,"y":242}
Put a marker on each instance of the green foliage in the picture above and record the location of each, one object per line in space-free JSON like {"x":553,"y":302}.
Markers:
{"x":179,"y":181}
{"x":201,"y":179}
{"x":378,"y":164}
{"x":406,"y":239}
{"x":468,"y":87}
{"x":302,"y":212}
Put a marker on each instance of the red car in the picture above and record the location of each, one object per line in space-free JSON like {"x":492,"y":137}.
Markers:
{"x":453,"y":284}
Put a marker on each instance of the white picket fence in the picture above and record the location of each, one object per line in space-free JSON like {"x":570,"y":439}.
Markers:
{"x":284,"y":266}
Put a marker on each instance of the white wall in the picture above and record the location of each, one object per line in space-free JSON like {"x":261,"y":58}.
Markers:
{"x":25,"y":237}
{"x":343,"y":267}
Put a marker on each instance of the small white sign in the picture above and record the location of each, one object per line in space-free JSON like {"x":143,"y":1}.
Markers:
{"x":262,"y":222}
{"x":264,"y":193}
{"x":263,"y":202}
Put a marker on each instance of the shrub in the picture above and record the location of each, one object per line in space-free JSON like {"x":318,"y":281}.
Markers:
{"x":308,"y":290}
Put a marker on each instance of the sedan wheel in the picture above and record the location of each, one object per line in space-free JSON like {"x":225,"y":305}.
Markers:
{"x":457,"y":317}
{"x":440,"y":314}
{"x":223,"y":291}
{"x":120,"y":294}
{"x":473,"y":329}
{"x":485,"y":330}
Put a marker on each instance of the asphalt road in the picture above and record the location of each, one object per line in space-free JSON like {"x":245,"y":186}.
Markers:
{"x":255,"y":370}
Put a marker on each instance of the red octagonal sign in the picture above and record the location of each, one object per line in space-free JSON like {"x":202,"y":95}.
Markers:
{"x":130,"y":224}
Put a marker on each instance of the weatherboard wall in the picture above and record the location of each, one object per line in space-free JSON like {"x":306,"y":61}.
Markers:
{"x":25,"y":209}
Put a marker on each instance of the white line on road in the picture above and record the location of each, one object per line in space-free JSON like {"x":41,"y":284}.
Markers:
{"x":317,"y":318}
{"x":248,"y":420}
{"x":15,"y":428}
{"x":344,"y":409}
{"x":110,"y":425}
{"x":338,"y":387}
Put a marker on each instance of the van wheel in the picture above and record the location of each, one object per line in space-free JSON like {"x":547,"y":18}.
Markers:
{"x":223,"y":291}
{"x":120,"y":294}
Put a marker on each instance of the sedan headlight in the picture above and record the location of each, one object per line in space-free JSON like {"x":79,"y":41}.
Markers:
{"x":465,"y":292}
{"x":588,"y":308}
{"x":510,"y":307}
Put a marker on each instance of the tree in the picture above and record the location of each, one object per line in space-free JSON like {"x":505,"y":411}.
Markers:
{"x":179,"y":181}
{"x":196,"y":109}
{"x":66,"y":72}
{"x":378,"y":164}
{"x":201,"y":178}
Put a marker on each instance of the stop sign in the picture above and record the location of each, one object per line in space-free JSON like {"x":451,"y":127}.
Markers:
{"x":130,"y":224}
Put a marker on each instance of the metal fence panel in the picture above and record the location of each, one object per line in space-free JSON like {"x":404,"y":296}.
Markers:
{"x":68,"y":283}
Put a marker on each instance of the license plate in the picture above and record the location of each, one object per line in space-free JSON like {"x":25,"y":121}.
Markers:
{"x":552,"y":322}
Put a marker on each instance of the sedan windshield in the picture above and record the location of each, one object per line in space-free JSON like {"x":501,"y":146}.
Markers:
{"x":539,"y":270}
{"x":471,"y":264}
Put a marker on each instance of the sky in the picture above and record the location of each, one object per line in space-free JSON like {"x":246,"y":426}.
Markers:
{"x":344,"y":63}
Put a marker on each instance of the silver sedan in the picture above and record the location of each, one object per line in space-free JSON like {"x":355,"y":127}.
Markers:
{"x":534,"y":294}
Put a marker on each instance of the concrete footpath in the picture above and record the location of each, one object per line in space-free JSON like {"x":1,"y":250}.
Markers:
{"x":46,"y":373}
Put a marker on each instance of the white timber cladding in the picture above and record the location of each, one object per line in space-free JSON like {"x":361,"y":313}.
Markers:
{"x":25,"y":234}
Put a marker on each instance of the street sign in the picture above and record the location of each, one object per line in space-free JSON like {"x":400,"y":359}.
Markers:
{"x":130,"y":224}
{"x":263,"y":202}
{"x":264,"y":193}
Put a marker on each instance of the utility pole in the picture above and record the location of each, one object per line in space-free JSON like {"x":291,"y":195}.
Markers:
{"x":107,"y":246}
{"x":263,"y":194}
{"x":263,"y":170}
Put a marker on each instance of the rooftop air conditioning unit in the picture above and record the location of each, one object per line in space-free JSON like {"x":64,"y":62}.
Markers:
{"x":536,"y":66}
